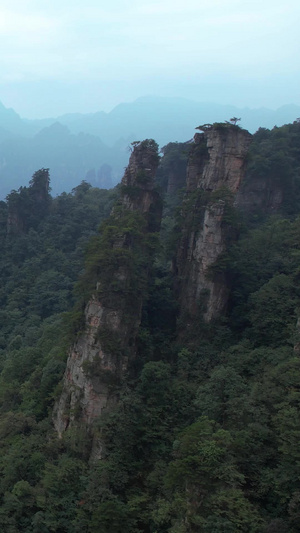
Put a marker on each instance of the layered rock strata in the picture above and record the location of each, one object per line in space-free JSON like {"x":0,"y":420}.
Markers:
{"x":215,"y":170}
{"x":98,"y":359}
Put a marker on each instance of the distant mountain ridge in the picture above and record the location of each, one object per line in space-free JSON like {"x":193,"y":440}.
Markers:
{"x":160,"y":117}
{"x":85,"y":142}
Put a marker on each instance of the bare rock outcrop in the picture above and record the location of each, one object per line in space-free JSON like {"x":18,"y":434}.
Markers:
{"x":122,"y":256}
{"x":218,"y":159}
{"x":214,"y":174}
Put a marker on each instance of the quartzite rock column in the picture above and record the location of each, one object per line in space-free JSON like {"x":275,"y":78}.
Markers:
{"x":99,"y":357}
{"x":215,"y":170}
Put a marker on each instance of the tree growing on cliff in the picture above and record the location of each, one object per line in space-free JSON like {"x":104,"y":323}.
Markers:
{"x":234,"y":120}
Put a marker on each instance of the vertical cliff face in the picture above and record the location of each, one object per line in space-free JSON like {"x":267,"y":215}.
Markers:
{"x":139,"y":182}
{"x":215,"y":170}
{"x":119,"y":265}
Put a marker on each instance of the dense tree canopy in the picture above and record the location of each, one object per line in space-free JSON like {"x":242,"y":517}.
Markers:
{"x":205,"y":436}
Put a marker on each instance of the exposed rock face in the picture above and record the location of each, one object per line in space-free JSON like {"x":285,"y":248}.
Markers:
{"x":98,"y":359}
{"x":86,"y":391}
{"x":218,"y":159}
{"x":215,"y":170}
{"x":139,"y":178}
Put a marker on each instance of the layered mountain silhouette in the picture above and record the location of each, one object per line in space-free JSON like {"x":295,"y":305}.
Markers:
{"x":95,"y":146}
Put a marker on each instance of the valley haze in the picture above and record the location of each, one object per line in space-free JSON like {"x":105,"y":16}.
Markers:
{"x":95,"y":146}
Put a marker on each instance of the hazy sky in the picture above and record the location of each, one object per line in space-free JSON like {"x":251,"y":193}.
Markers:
{"x":60,"y":56}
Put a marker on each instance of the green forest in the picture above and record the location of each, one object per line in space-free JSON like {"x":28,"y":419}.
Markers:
{"x":205,"y":434}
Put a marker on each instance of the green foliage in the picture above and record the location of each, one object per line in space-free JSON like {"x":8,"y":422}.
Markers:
{"x":205,"y":433}
{"x":207,"y":481}
{"x":171,"y":173}
{"x":117,"y":262}
{"x":275,"y":158}
{"x":264,"y":266}
{"x":39,"y":264}
{"x":29,"y":205}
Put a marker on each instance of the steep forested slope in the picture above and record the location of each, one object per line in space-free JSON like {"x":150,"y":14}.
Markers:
{"x":205,"y":433}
